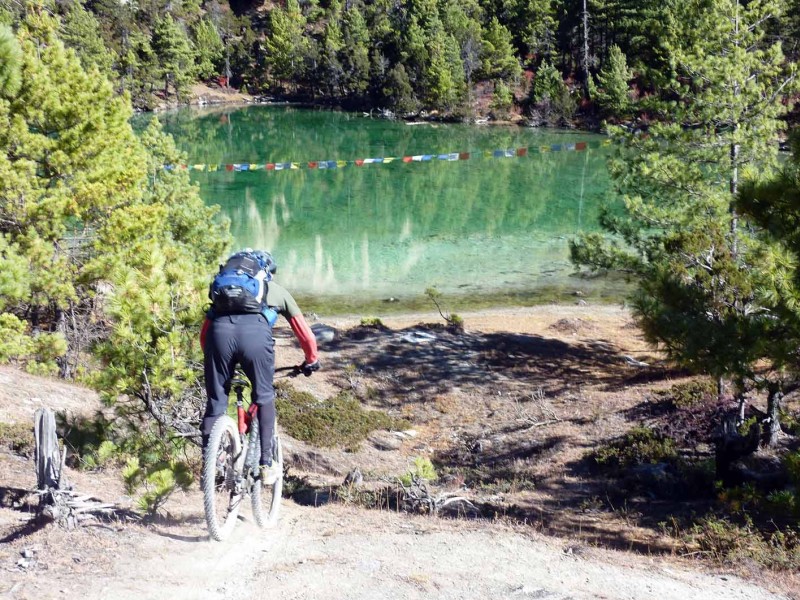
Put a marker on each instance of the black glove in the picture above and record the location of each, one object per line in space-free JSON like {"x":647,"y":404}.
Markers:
{"x":308,"y":368}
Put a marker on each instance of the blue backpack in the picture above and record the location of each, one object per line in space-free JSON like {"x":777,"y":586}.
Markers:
{"x":240,"y":287}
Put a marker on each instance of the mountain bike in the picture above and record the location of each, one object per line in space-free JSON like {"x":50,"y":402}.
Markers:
{"x":231,"y":471}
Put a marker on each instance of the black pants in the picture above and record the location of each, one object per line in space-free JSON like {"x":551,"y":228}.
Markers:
{"x":246,"y":340}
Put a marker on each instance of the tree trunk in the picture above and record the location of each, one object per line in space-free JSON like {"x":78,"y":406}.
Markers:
{"x":48,"y":460}
{"x":774,"y":416}
{"x":730,"y":446}
{"x":585,"y":49}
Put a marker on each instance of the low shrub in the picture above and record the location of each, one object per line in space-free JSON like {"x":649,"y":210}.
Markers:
{"x":421,"y":469}
{"x":336,"y":421}
{"x":690,"y":393}
{"x":18,"y":438}
{"x":641,"y":445}
{"x":372,"y":322}
{"x":730,"y":543}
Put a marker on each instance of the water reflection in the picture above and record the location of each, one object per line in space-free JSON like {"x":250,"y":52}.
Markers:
{"x":495,"y":226}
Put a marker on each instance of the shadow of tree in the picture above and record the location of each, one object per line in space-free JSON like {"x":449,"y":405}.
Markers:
{"x":20,"y":500}
{"x":428,"y":359}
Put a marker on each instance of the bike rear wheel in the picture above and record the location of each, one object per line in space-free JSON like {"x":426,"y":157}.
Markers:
{"x":266,"y":501}
{"x":222,"y":494}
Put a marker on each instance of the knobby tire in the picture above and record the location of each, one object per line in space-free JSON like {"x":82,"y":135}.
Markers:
{"x":266,"y":501}
{"x":221,"y":472}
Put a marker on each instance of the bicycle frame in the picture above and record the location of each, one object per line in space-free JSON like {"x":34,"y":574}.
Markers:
{"x":243,"y":417}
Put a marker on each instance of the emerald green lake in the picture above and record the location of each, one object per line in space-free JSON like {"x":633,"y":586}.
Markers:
{"x":491,"y":229}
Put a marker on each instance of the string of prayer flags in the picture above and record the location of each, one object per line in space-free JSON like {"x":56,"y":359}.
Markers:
{"x":360,"y":162}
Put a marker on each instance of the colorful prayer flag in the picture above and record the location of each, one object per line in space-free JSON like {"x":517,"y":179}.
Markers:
{"x":448,"y":156}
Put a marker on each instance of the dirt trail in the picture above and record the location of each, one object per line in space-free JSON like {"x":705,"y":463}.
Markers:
{"x":338,"y":552}
{"x":342,"y":552}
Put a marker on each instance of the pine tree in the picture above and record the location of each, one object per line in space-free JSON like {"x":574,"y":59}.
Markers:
{"x":209,"y":48}
{"x":67,"y":157}
{"x":398,"y":91}
{"x":10,"y":63}
{"x":286,"y":44}
{"x":499,"y":60}
{"x":680,"y":234}
{"x":355,"y":52}
{"x":331,"y":70}
{"x":80,"y":30}
{"x":773,"y":206}
{"x":537,"y":25}
{"x":613,"y":95}
{"x":86,"y":210}
{"x":175,"y":54}
{"x":443,"y":77}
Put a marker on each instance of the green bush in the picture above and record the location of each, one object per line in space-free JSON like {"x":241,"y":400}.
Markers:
{"x":16,"y":343}
{"x":18,"y":438}
{"x":502,"y":100}
{"x":641,"y":445}
{"x":336,"y":421}
{"x":691,"y":393}
{"x":373,"y":322}
{"x":421,"y":469}
{"x":730,"y":543}
{"x":36,"y":353}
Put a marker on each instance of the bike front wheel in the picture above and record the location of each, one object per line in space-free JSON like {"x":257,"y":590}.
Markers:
{"x":266,"y":501}
{"x":222,"y":478}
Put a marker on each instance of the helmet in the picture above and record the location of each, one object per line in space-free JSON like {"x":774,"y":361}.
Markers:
{"x":266,"y":260}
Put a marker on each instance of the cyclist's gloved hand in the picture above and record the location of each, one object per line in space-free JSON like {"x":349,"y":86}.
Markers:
{"x":308,"y":368}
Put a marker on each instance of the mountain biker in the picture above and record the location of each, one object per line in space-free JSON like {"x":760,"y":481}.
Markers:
{"x":246,"y":338}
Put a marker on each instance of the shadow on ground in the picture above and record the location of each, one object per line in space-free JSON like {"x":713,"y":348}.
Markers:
{"x":428,"y":359}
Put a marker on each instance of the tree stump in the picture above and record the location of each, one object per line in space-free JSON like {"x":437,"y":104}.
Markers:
{"x":49,"y":462}
{"x":57,"y":501}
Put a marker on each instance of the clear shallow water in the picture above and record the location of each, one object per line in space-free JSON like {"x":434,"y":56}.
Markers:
{"x":485,"y":231}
